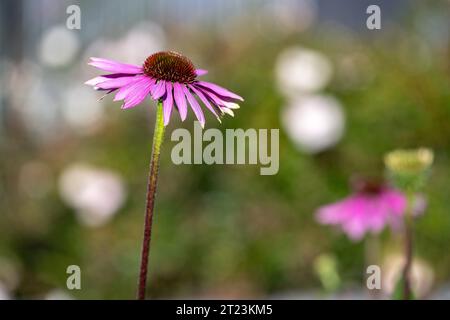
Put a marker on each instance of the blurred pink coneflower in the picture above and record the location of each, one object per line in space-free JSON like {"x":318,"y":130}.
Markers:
{"x":370,"y":208}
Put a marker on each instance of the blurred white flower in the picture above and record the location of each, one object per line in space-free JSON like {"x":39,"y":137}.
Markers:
{"x":58,"y":46}
{"x":95,"y":194}
{"x":38,"y":108}
{"x":300,"y":70}
{"x":58,"y":294}
{"x":4,"y":294}
{"x":81,"y":109}
{"x":314,"y":123}
{"x":422,"y":275}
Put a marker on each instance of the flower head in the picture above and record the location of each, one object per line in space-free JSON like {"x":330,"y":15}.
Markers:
{"x":409,"y":169}
{"x":370,"y":208}
{"x":409,"y":161}
{"x":168,"y":77}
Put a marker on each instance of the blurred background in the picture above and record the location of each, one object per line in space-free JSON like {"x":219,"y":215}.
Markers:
{"x":73,"y":169}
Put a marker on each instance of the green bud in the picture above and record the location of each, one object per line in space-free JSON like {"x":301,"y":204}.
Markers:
{"x":409,"y":169}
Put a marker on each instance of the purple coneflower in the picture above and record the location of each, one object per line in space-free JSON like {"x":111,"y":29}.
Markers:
{"x":370,"y":208}
{"x":168,"y":77}
{"x":171,"y":80}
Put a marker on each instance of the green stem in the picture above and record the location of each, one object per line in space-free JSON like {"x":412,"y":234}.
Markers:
{"x":158,"y":137}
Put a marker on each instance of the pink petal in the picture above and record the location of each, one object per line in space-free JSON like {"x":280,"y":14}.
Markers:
{"x":159,"y":89}
{"x":354,"y":229}
{"x":376,"y":215}
{"x":331,"y":214}
{"x":216,"y":100}
{"x":180,"y":100}
{"x":204,"y":100}
{"x":125,"y":90}
{"x":218,"y":90}
{"x":168,"y":103}
{"x":396,"y":201}
{"x":201,"y":72}
{"x":195,"y":106}
{"x":100,"y":79}
{"x":95,"y":81}
{"x":138,"y":94}
{"x":114,"y":66}
{"x":226,"y":110}
{"x":115,"y":83}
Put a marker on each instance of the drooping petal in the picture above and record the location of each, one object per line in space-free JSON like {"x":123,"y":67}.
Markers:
{"x":95,"y":81}
{"x":223,"y":106}
{"x":138,"y":94}
{"x":195,"y":106}
{"x":114,"y":66}
{"x":218,"y":90}
{"x":217,"y":100}
{"x":159,"y":89}
{"x":106,"y":77}
{"x":180,"y":100}
{"x":231,"y":105}
{"x":227,"y":111}
{"x":200,"y":72}
{"x":168,"y":103}
{"x":125,"y":90}
{"x":204,"y":100}
{"x":115,"y":83}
